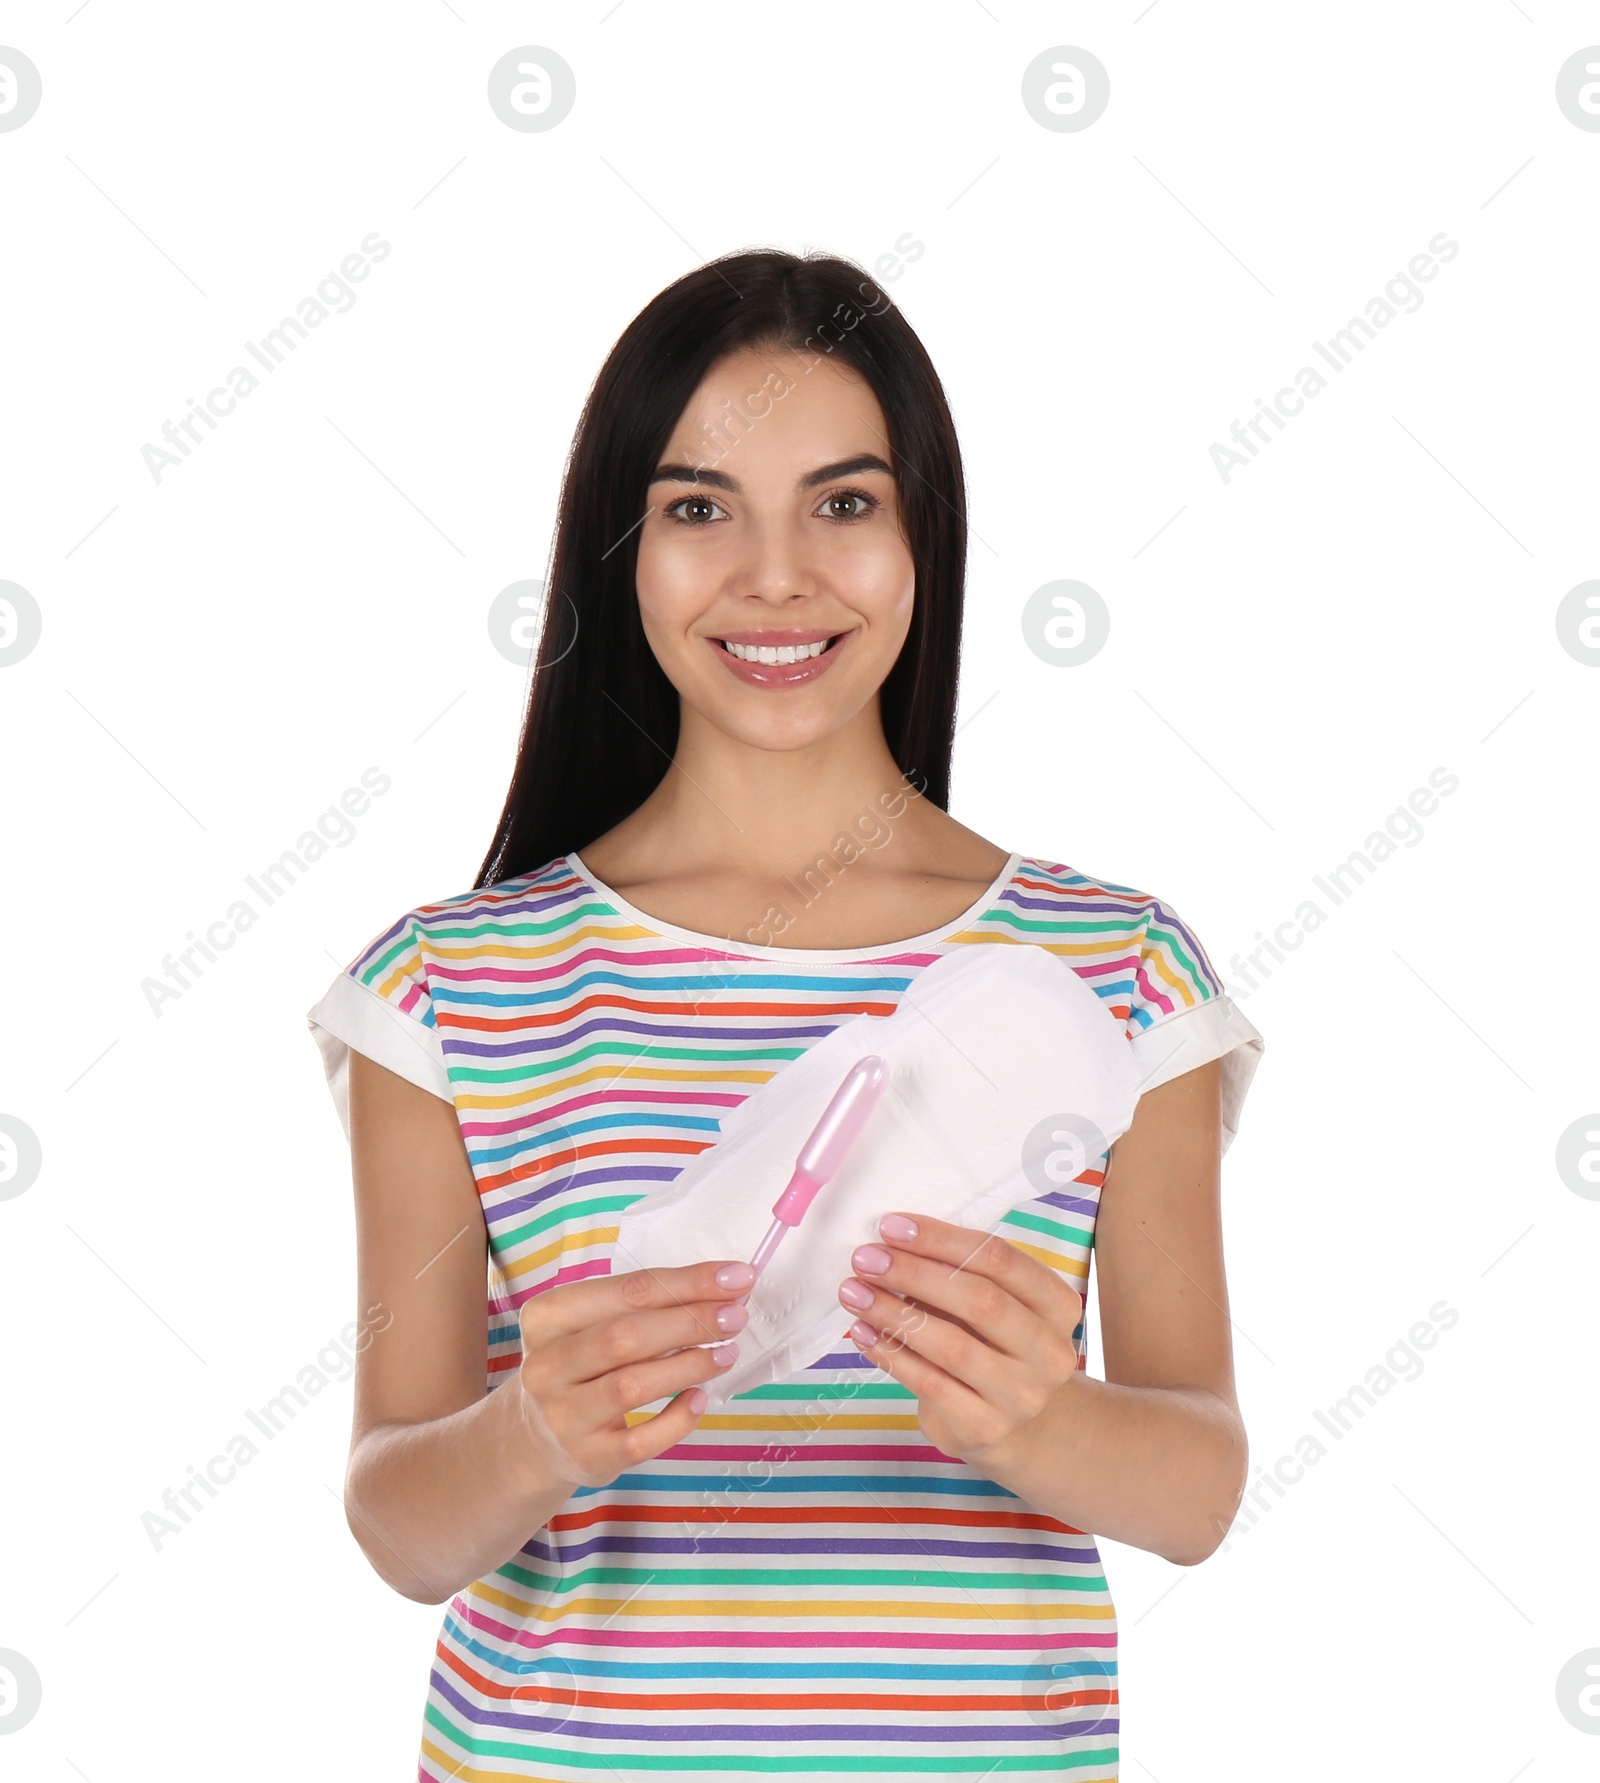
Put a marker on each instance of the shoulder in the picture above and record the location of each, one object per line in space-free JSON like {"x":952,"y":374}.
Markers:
{"x":1142,"y":957}
{"x":427,"y":934}
{"x":1151,"y":969}
{"x":407,"y":997}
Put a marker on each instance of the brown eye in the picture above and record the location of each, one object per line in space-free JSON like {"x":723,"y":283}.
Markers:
{"x":702,"y":505}
{"x":841,"y":505}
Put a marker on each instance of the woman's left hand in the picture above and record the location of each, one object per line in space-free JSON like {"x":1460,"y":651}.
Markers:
{"x":980,"y":1331}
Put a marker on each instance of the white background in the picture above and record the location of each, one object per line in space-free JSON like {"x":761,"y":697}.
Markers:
{"x":1291,"y":653}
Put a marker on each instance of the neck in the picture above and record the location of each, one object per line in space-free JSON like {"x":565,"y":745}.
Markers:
{"x":764,"y":811}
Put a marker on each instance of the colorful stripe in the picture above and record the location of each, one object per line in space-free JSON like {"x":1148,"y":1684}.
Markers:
{"x":805,"y":1586}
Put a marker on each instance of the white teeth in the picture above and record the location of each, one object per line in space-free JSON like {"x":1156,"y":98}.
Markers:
{"x":766,"y":653}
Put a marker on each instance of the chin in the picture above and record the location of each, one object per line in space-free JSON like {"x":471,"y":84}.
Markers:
{"x":779,"y":735}
{"x":780,"y":722}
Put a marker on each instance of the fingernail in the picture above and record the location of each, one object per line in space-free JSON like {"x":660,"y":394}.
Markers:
{"x":863,"y":1333}
{"x":870,"y":1259}
{"x":725,"y":1353}
{"x":735,"y":1275}
{"x":732,"y":1317}
{"x":854,"y":1293}
{"x":697,"y":1398}
{"x":897,"y":1227}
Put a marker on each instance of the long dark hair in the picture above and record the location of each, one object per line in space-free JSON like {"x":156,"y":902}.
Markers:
{"x":601,"y":725}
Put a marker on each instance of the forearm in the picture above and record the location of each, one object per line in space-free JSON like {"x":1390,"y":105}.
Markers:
{"x":1159,"y":1468}
{"x":436,"y":1505}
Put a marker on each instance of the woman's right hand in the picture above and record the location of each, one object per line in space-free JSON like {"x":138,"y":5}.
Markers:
{"x":596,"y":1349}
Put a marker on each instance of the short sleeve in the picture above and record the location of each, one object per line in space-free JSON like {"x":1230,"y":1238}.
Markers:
{"x":1181,"y":1016}
{"x":380,"y":1006}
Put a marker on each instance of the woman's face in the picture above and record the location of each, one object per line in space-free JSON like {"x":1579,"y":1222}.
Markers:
{"x":774,"y":525}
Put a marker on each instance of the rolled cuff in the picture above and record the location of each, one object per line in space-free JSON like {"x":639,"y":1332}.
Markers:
{"x":353,"y":1016}
{"x":1215,"y":1029}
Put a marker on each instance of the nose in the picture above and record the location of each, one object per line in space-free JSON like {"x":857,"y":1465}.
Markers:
{"x":773,"y":563}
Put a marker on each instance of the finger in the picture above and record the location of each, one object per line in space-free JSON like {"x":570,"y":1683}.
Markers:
{"x":1026,"y":1277}
{"x":626,"y":1389}
{"x":952,"y":1350}
{"x":605,"y":1402}
{"x":646,"y":1437}
{"x":572,"y":1306}
{"x":632,"y":1440}
{"x":955,"y":1401}
{"x":1045,"y":1290}
{"x":944,"y":1313}
{"x":979,"y":1303}
{"x":950,"y":1318}
{"x":633,"y":1337}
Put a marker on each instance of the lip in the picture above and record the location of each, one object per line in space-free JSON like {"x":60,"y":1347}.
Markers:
{"x":779,"y":674}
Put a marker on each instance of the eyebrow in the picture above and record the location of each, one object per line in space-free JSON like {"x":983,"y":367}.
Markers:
{"x":846,"y":467}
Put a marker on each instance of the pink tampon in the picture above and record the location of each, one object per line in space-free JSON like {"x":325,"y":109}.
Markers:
{"x":823,"y":1153}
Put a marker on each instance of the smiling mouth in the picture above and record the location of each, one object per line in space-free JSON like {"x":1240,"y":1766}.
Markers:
{"x":779,"y":655}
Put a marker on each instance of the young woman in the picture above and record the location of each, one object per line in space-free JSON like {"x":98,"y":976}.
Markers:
{"x":725,"y":834}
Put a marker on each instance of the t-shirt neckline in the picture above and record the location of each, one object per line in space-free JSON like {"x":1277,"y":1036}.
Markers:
{"x":749,"y":949}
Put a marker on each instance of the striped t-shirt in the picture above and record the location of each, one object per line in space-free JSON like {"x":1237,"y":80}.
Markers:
{"x":804,"y":1585}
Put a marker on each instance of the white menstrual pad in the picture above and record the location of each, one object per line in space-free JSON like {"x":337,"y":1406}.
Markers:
{"x":988,"y":1044}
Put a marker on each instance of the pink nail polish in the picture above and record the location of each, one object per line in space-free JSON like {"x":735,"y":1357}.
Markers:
{"x":897,"y":1227}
